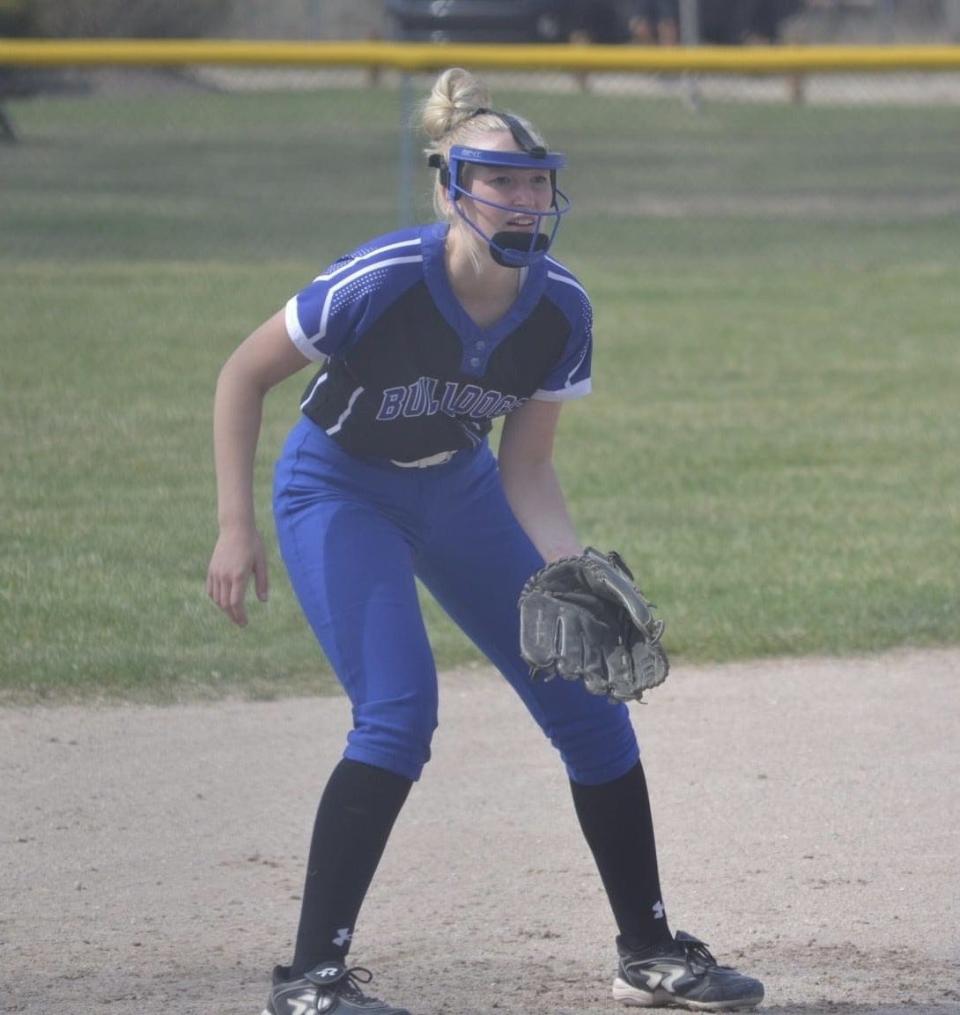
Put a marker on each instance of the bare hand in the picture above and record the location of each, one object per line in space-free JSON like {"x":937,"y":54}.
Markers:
{"x":238,"y":554}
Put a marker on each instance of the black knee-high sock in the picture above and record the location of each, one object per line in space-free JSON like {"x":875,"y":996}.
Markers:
{"x":616,"y":821}
{"x":354,"y":820}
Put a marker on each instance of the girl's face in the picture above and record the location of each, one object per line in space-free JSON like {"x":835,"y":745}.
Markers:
{"x":518,"y":190}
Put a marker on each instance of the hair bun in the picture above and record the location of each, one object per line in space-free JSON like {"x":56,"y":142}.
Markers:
{"x":456,"y":96}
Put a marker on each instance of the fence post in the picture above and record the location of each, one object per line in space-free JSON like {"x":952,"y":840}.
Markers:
{"x":405,"y":209}
{"x":951,"y":12}
{"x":690,"y":36}
{"x":689,"y":22}
{"x":7,"y":132}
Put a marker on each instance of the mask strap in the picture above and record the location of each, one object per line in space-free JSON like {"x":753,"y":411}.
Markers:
{"x":437,"y":161}
{"x":520,"y":133}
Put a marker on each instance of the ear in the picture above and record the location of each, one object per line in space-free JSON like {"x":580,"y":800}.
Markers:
{"x":443,"y":197}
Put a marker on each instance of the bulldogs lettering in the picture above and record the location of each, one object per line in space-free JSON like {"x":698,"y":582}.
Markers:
{"x":420,"y":399}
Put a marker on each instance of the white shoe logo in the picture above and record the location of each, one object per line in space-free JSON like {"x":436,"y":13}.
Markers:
{"x":669,"y":979}
{"x":658,"y":910}
{"x":302,"y":1004}
{"x":343,"y":936}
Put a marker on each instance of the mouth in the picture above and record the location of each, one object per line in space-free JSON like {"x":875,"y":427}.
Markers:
{"x":521,"y":222}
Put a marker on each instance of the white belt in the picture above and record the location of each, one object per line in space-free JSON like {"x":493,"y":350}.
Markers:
{"x":424,"y":463}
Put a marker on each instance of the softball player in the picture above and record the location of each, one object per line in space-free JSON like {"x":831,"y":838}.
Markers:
{"x":422,"y":338}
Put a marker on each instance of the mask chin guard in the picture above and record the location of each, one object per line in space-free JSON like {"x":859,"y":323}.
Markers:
{"x":514,"y":250}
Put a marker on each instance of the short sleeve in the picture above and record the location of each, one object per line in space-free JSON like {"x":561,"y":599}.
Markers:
{"x":570,"y":378}
{"x":322,"y":317}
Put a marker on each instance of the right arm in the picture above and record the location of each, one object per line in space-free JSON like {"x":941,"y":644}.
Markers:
{"x":260,"y":362}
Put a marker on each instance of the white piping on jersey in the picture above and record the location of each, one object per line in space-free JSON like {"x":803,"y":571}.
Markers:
{"x":567,"y":280}
{"x":568,"y":388}
{"x":471,"y":436}
{"x":365,"y":257}
{"x":331,"y":292}
{"x":299,"y":337}
{"x":346,"y":412}
{"x":567,"y":383}
{"x":316,"y":384}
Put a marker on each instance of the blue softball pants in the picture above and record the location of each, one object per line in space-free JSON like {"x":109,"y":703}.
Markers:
{"x":354,"y":535}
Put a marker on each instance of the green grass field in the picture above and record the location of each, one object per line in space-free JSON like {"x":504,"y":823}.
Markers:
{"x":771,"y":443}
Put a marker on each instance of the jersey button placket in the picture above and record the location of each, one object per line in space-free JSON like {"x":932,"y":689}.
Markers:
{"x":477,"y":348}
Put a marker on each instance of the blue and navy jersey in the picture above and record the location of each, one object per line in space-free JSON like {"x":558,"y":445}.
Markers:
{"x":407,"y":374}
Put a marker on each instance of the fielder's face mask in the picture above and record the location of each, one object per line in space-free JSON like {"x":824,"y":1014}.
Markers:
{"x":510,"y":248}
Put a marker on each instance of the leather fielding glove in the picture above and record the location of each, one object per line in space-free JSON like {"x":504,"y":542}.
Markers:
{"x":584,"y":619}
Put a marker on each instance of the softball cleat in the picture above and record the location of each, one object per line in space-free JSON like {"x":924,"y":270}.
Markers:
{"x":330,"y":988}
{"x":682,"y":974}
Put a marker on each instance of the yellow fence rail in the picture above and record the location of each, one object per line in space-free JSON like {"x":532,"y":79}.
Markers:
{"x":411,"y":57}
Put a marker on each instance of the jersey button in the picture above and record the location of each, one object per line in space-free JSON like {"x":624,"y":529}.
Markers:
{"x":480,"y":345}
{"x":475,"y":361}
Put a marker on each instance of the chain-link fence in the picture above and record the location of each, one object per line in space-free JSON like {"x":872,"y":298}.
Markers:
{"x":247,"y":150}
{"x":784,"y":142}
{"x":907,"y":88}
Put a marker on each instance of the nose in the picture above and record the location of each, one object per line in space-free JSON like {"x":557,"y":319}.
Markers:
{"x":523,"y":196}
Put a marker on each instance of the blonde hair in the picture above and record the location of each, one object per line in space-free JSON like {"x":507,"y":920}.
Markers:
{"x":448,"y":117}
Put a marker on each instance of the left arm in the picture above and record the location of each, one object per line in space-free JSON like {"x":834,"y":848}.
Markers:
{"x":530,"y":482}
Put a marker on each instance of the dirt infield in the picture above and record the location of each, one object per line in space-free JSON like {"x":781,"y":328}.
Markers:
{"x":808,"y":814}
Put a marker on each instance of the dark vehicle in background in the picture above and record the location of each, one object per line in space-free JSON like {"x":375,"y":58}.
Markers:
{"x":721,"y":22}
{"x":506,"y":21}
{"x":733,"y":22}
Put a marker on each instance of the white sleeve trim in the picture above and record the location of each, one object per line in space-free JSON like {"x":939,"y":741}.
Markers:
{"x":577,"y":390}
{"x":296,"y":334}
